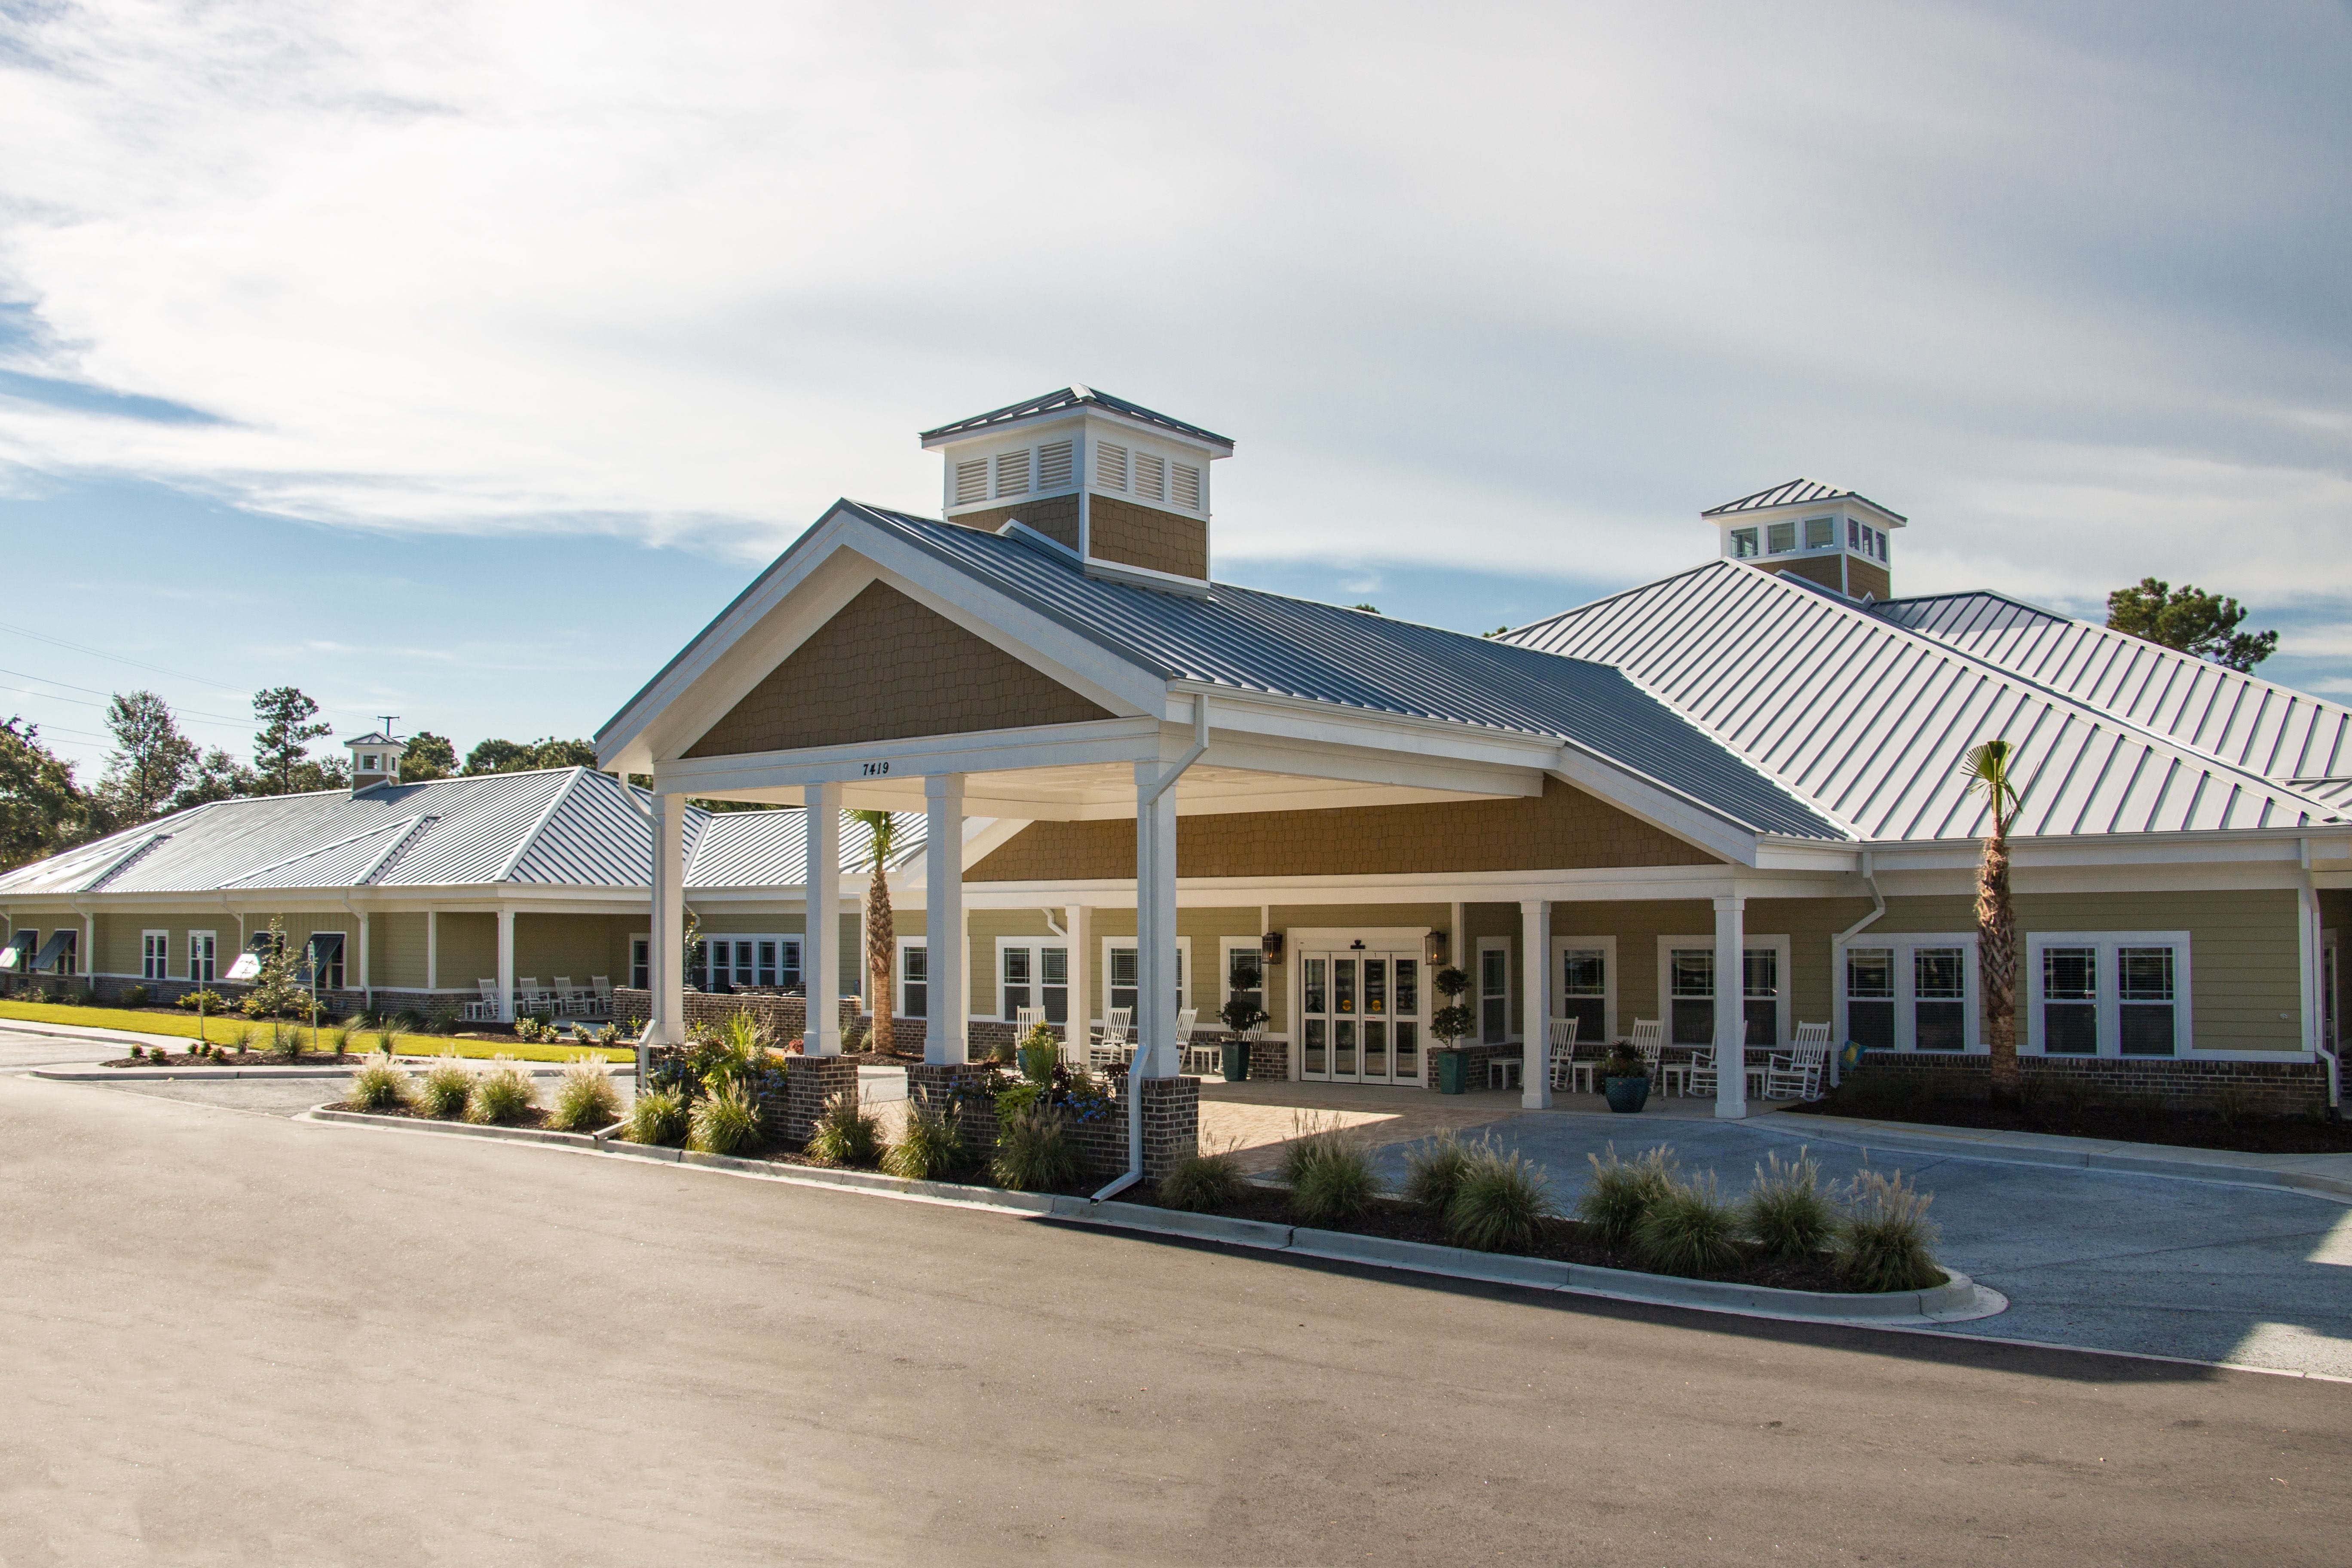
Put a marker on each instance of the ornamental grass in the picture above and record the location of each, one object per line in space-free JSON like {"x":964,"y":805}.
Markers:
{"x":585,"y":1096}
{"x":1500,"y":1202}
{"x":1885,"y":1240}
{"x":931,"y":1146}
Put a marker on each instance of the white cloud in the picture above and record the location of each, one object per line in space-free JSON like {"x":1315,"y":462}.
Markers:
{"x":1503,"y":288}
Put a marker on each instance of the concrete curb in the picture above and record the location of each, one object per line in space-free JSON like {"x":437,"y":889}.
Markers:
{"x":1958,"y":1299}
{"x":169,"y":1075}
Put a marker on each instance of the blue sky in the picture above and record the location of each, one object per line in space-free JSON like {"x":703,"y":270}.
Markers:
{"x":459,"y":361}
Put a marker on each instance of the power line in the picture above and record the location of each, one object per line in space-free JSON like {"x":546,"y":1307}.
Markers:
{"x":110,"y":696}
{"x":101,"y":653}
{"x":82,"y":702}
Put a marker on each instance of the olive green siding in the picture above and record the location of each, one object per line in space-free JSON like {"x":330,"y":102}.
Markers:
{"x":469,"y":950}
{"x":396,"y":951}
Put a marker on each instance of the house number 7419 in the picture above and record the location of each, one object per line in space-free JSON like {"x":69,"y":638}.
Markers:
{"x":875,"y":770}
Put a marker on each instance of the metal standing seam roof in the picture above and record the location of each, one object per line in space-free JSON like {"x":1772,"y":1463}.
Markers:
{"x":556,"y":827}
{"x":1248,"y":640}
{"x":1791,"y":494}
{"x":1870,"y":721}
{"x":1071,"y":397}
{"x":2234,"y":717}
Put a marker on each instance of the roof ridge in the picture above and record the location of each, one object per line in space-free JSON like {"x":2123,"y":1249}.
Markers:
{"x":530,"y":836}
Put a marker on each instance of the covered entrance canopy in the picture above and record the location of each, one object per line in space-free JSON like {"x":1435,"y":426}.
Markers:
{"x":886,"y":660}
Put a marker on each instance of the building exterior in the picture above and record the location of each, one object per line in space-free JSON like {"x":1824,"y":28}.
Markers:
{"x":1729,"y":800}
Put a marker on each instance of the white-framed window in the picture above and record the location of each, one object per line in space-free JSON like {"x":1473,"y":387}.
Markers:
{"x":155,"y":955}
{"x":1909,"y":992}
{"x":1743,"y":544}
{"x":2106,"y":994}
{"x":731,"y":962}
{"x":1491,"y":984}
{"x":641,"y":961}
{"x":1120,"y":979}
{"x":203,"y":956}
{"x":1584,"y":986}
{"x":1688,"y":990}
{"x":1852,"y":534}
{"x":913,"y":978}
{"x":1821,"y":532}
{"x":322,"y":958}
{"x":1110,"y":466}
{"x":1779,"y":538}
{"x":1032,"y":972}
{"x":1241,"y":971}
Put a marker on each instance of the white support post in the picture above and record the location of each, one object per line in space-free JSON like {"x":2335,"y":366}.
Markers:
{"x":433,"y":949}
{"x":947,"y":1032}
{"x":506,"y":963}
{"x":366,"y":990}
{"x":1730,"y":1008}
{"x":1078,"y":1034}
{"x":1155,"y":924}
{"x":665,"y":960}
{"x":1535,"y":991}
{"x":821,"y":922}
{"x":1457,"y":945}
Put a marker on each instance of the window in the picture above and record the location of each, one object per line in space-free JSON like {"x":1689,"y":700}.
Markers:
{"x":155,"y":955}
{"x":913,"y":978}
{"x":971,"y":481}
{"x":1053,"y":465}
{"x":1907,"y":993}
{"x":1584,"y":991}
{"x":322,"y":960}
{"x":1013,"y":473}
{"x":1779,"y":538}
{"x":203,"y":954}
{"x":725,"y":963}
{"x":1121,"y":971}
{"x":1759,"y":994}
{"x":1110,"y":466}
{"x":2112,"y":994}
{"x":1870,"y":998}
{"x":1852,"y":534}
{"x":1821,"y":532}
{"x":1150,"y":476}
{"x":1743,"y":544}
{"x":1187,"y":493}
{"x":1690,"y":981}
{"x":1032,"y":974}
{"x":369,"y":762}
{"x":1879,"y":542}
{"x":1940,"y":997}
{"x":1246,"y":971}
{"x":1494,"y":992}
{"x":641,"y":963}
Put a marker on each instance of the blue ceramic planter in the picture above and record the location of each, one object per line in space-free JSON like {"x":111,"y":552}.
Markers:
{"x":1627,"y":1094}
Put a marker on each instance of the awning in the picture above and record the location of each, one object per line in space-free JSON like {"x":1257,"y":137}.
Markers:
{"x":60,"y":942}
{"x":326,"y":951}
{"x":11,"y":955}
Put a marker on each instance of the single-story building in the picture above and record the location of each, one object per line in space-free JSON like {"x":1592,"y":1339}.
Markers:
{"x":1729,"y":800}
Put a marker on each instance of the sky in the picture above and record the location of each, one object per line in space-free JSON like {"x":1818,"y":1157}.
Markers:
{"x":459,"y":361}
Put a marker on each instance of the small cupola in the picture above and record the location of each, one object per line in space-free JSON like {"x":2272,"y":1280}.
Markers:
{"x":375,"y":760}
{"x":1836,"y":537}
{"x":1121,"y":489}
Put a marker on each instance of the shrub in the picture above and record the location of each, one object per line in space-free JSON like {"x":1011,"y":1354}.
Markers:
{"x":244,"y":1039}
{"x":1689,"y":1229}
{"x":1312,"y":1141}
{"x":932,"y":1145}
{"x":384,"y":1043}
{"x":2230,"y":1104}
{"x":378,"y":1085}
{"x":137,"y":996}
{"x":1885,"y":1240}
{"x":1336,"y":1186}
{"x":444,"y":1089}
{"x":1434,"y":1169}
{"x":1500,"y":1202}
{"x":409,"y":1021}
{"x":1012,"y":1101}
{"x":1204,"y":1183}
{"x":1040,"y":1053}
{"x":528,"y":1029}
{"x":1786,"y":1209}
{"x":727,"y":1123}
{"x":342,"y":1039}
{"x":844,"y":1133}
{"x":502,"y":1094}
{"x":1622,"y":1191}
{"x":658,"y":1117}
{"x":1623,"y":1061}
{"x":1033,"y":1150}
{"x":585,"y":1097}
{"x":210,"y":1001}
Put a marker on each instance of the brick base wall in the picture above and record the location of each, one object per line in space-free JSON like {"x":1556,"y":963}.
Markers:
{"x":1474,"y":1077}
{"x":1269,"y":1060}
{"x":1171,"y":1117}
{"x":2272,"y":1089}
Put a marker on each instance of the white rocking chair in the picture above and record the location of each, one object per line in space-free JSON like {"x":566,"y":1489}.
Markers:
{"x":1115,"y":1047}
{"x":485,"y":1011}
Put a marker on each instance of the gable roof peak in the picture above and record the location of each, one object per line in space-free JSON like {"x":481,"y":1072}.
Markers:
{"x":1799,"y":492}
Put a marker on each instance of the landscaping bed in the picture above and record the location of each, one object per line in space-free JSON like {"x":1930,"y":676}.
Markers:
{"x":2126,"y":1124}
{"x":534,"y":1116}
{"x":228,"y":1057}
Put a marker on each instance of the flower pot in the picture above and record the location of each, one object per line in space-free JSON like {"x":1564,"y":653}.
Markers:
{"x":1237,"y":1055}
{"x":1452,"y":1071}
{"x":1626,"y":1094}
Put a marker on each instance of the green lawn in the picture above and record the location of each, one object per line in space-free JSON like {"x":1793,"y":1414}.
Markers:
{"x":224,"y":1032}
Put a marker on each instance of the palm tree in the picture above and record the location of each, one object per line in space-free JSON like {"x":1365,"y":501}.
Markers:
{"x":881,"y":935}
{"x":1989,"y":772}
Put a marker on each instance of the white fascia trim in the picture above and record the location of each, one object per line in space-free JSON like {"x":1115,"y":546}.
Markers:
{"x":2249,"y":845}
{"x":1303,"y":719}
{"x":1044,"y":746}
{"x":1601,"y":886}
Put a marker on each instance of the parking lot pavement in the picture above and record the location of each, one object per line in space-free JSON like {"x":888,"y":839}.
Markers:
{"x":2152,"y":1265}
{"x":22,"y":1048}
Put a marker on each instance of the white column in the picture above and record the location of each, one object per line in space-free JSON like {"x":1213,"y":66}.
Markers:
{"x":1458,"y":947}
{"x":1079,"y":922}
{"x":668,"y":972}
{"x":365,"y":989}
{"x":433,"y":949}
{"x":1730,"y":1026}
{"x":946,"y":1035}
{"x":1155,"y":925}
{"x":86,"y":961}
{"x":1535,"y":990}
{"x":821,"y":922}
{"x":506,"y":963}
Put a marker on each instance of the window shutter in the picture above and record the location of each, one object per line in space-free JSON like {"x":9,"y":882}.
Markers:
{"x":971,"y":481}
{"x":1151,"y":476}
{"x":1013,"y":473}
{"x":1188,"y":487}
{"x":1111,"y":467}
{"x":1054,"y":465}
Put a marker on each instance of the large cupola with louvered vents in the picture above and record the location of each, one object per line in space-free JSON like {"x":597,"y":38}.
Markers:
{"x":1125,"y":490}
{"x":1837,"y":538}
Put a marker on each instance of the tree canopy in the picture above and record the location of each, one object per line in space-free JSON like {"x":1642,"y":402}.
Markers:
{"x":41,"y":809}
{"x":521,"y":756}
{"x":151,"y":761}
{"x":2201,"y":625}
{"x":281,"y":746}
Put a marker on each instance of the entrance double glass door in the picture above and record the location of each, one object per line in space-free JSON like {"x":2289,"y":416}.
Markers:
{"x":1359,"y":1017}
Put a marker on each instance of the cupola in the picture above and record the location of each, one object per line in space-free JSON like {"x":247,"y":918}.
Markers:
{"x":375,"y":760}
{"x":1123,"y":489}
{"x":1834,"y":537}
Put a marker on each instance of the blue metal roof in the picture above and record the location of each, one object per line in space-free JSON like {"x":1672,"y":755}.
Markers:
{"x":1071,"y":397}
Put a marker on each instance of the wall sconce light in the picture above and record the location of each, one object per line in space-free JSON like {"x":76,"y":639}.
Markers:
{"x":1436,"y":950}
{"x":1270,"y":946}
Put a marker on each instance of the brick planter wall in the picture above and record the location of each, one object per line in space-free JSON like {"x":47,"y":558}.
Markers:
{"x":785,"y":1018}
{"x":1171,"y":1117}
{"x":1269,"y":1060}
{"x":2272,"y":1089}
{"x":809,"y":1082}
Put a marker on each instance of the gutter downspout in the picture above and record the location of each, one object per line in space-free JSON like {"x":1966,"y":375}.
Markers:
{"x":1134,"y":1095}
{"x":2314,"y":979}
{"x":1837,"y":942}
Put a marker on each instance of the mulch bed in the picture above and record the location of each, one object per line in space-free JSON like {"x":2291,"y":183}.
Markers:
{"x":535,"y":1117}
{"x":2182,"y":1130}
{"x":231,"y":1058}
{"x":1560,"y":1240}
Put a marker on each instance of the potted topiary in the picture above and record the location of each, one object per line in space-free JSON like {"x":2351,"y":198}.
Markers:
{"x":1625,"y":1079}
{"x":1247,"y":1021}
{"x":1451,"y":1023}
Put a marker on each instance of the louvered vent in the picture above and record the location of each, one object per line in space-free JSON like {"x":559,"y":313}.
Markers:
{"x":971,"y":481}
{"x":1054,"y":465}
{"x":1151,"y":476}
{"x":1013,"y":473}
{"x":1111,"y":467}
{"x":1188,"y":487}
